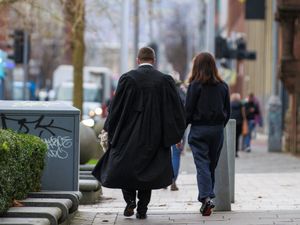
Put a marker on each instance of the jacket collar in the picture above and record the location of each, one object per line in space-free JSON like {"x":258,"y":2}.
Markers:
{"x":147,"y":65}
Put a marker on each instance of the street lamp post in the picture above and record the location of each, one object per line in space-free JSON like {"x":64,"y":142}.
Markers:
{"x":210,"y":26}
{"x":136,"y":29}
{"x":25,"y":64}
{"x":124,"y":36}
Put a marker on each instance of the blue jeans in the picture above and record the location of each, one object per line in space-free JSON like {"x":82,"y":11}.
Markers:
{"x":247,"y":138}
{"x":175,"y":161}
{"x":206,"y":143}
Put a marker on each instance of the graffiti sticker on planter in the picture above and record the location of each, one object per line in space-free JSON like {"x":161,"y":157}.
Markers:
{"x":58,"y":146}
{"x":58,"y":125}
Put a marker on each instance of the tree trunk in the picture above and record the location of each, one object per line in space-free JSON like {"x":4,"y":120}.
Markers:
{"x":78,"y":54}
{"x":74,"y":11}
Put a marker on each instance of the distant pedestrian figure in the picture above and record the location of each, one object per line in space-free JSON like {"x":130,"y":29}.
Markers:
{"x":252,"y":112}
{"x":208,"y":111}
{"x":237,"y":113}
{"x":146,"y":117}
{"x":178,"y":148}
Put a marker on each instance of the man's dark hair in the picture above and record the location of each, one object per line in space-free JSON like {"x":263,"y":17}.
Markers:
{"x":146,"y":54}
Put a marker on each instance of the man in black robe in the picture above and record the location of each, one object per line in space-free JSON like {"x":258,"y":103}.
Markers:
{"x":145,"y":118}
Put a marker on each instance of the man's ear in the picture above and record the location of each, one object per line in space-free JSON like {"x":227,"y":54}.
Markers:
{"x":138,"y":61}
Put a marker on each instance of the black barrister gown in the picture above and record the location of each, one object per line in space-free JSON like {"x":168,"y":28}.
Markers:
{"x":145,"y":118}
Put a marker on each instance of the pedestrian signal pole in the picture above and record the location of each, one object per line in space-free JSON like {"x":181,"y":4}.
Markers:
{"x":136,"y":29}
{"x":25,"y":64}
{"x":210,"y":26}
{"x":124,"y":36}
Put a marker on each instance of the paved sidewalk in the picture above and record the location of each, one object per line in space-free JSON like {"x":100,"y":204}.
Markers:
{"x":267,"y":192}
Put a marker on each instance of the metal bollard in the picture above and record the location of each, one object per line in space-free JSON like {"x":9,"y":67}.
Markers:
{"x":224,"y":176}
{"x":275,"y":124}
{"x":231,"y":135}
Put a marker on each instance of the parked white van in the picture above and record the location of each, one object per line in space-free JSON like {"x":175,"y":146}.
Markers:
{"x":97,"y":88}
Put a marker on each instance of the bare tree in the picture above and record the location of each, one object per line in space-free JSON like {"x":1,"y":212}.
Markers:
{"x":175,"y":41}
{"x":73,"y":15}
{"x":43,"y":20}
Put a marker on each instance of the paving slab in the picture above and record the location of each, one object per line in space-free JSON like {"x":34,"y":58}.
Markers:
{"x":73,"y":196}
{"x":64,"y":204}
{"x":89,"y":185}
{"x":53,"y":214}
{"x":87,"y":167}
{"x":86,"y":172}
{"x":86,"y":177}
{"x":24,"y":221}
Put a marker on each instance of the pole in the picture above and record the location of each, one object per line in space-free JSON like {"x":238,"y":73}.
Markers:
{"x":136,"y":29}
{"x":210,"y":26}
{"x":25,"y":64}
{"x":124,"y":40}
{"x":150,"y":13}
{"x":275,"y":118}
{"x":275,"y":52}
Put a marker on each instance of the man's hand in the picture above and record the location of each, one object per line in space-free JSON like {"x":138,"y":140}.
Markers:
{"x":179,"y":146}
{"x":103,"y":140}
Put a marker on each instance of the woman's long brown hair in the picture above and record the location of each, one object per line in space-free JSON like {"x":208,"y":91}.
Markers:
{"x":205,"y":69}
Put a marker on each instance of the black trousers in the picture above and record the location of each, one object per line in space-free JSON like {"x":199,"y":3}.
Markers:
{"x":239,"y":127}
{"x":144,"y":197}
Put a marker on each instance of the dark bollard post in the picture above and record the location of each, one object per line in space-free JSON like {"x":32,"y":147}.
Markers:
{"x":275,"y":124}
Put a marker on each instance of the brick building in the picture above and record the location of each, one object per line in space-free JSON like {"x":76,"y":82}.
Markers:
{"x":288,"y":16}
{"x":253,"y":75}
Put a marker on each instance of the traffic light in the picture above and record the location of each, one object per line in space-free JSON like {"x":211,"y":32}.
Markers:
{"x":19,"y":44}
{"x":222,"y":50}
{"x":242,"y":52}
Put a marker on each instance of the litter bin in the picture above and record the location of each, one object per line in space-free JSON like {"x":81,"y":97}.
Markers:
{"x":57,"y":123}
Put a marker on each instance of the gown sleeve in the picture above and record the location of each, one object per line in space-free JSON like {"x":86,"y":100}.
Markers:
{"x":173,"y":114}
{"x":119,"y":108}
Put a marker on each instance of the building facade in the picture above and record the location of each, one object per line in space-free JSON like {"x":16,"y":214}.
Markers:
{"x":288,"y":16}
{"x":253,"y":76}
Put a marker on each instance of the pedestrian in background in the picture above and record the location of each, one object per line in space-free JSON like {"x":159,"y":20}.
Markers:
{"x":177,"y":149}
{"x":237,"y":113}
{"x":252,"y":112}
{"x":208,"y":111}
{"x":146,"y":117}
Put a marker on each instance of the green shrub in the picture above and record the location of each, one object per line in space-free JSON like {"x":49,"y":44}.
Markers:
{"x":21,"y":165}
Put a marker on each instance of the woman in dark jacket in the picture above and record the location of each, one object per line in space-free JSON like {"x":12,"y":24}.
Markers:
{"x":208,"y":111}
{"x":237,"y":113}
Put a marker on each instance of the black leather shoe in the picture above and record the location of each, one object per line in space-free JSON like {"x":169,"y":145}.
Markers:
{"x":141,"y":216}
{"x":206,"y":208}
{"x":129,"y":209}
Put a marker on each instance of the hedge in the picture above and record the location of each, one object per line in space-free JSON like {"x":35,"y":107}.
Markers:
{"x":21,"y":165}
